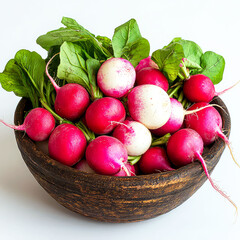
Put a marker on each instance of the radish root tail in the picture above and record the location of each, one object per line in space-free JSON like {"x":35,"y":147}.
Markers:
{"x":226,"y":140}
{"x":214,"y":185}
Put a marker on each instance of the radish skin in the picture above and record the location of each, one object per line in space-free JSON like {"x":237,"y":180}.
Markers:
{"x":71,"y":100}
{"x":186,"y":146}
{"x":152,"y":76}
{"x":116,"y":77}
{"x":67,"y":144}
{"x":107,"y":155}
{"x":208,"y":123}
{"x":38,"y":124}
{"x":155,"y":160}
{"x":149,"y":105}
{"x":200,"y":88}
{"x":103,"y":115}
{"x":83,"y":166}
{"x":146,"y":62}
{"x":134,"y":136}
{"x":122,"y":172}
{"x":175,"y":121}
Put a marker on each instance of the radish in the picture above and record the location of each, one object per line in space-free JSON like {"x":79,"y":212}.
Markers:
{"x":186,"y":146}
{"x":103,"y":115}
{"x":153,"y":76}
{"x":107,"y":155}
{"x":71,"y":99}
{"x":67,"y":144}
{"x":154,"y":160}
{"x":149,"y":105}
{"x":116,"y":77}
{"x":200,"y":88}
{"x":38,"y":124}
{"x":134,"y":136}
{"x":146,"y":62}
{"x":122,"y":172}
{"x":175,"y":122}
{"x":83,"y":166}
{"x":208,"y":123}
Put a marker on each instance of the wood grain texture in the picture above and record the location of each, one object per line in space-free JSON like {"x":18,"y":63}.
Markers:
{"x":117,"y":199}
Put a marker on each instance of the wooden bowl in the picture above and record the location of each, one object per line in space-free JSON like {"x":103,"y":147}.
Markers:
{"x":117,"y":199}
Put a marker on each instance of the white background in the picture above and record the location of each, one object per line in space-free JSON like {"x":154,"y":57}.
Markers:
{"x":27,"y":211}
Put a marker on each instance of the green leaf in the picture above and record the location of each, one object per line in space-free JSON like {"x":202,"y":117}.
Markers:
{"x":136,"y":51}
{"x":72,"y":66}
{"x":75,"y":33}
{"x":106,"y":43}
{"x":168,"y":59}
{"x":75,"y":69}
{"x":93,"y":66}
{"x":24,"y":75}
{"x":124,"y":35}
{"x":213,"y":66}
{"x":128,"y":43}
{"x":11,"y":79}
{"x":34,"y":66}
{"x":191,"y":51}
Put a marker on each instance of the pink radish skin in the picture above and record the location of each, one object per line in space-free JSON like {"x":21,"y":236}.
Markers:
{"x":71,"y":100}
{"x":200,"y":88}
{"x":152,"y":76}
{"x":107,"y":155}
{"x":175,"y":121}
{"x":116,"y":77}
{"x":103,"y":115}
{"x":83,"y":166}
{"x":134,"y":136}
{"x":122,"y":172}
{"x":67,"y":144}
{"x":208,"y":123}
{"x":154,"y":160}
{"x":146,"y":62}
{"x":186,"y":146}
{"x":38,"y":124}
{"x":149,"y":105}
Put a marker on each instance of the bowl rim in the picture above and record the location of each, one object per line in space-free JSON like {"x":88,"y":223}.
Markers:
{"x":69,"y":174}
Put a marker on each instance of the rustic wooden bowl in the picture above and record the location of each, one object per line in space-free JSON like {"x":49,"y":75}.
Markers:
{"x":117,"y":199}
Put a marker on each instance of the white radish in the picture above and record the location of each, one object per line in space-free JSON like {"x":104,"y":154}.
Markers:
{"x":116,"y":77}
{"x":135,"y":137}
{"x":149,"y":105}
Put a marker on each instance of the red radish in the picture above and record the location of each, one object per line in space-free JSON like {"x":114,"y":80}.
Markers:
{"x":175,"y":122}
{"x":186,"y":146}
{"x":116,"y":77}
{"x":67,"y":144}
{"x":200,"y":88}
{"x":107,"y":155}
{"x":134,"y":136}
{"x":154,"y":160}
{"x":149,"y":105}
{"x":208,"y":123}
{"x":83,"y":166}
{"x":123,"y":173}
{"x":38,"y":124}
{"x":71,"y":99}
{"x":153,"y":76}
{"x":103,"y":115}
{"x":146,"y":62}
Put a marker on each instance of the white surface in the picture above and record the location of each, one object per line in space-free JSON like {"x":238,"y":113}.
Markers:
{"x":27,"y":211}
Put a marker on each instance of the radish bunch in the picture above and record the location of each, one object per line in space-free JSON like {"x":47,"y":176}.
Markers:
{"x":114,"y":110}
